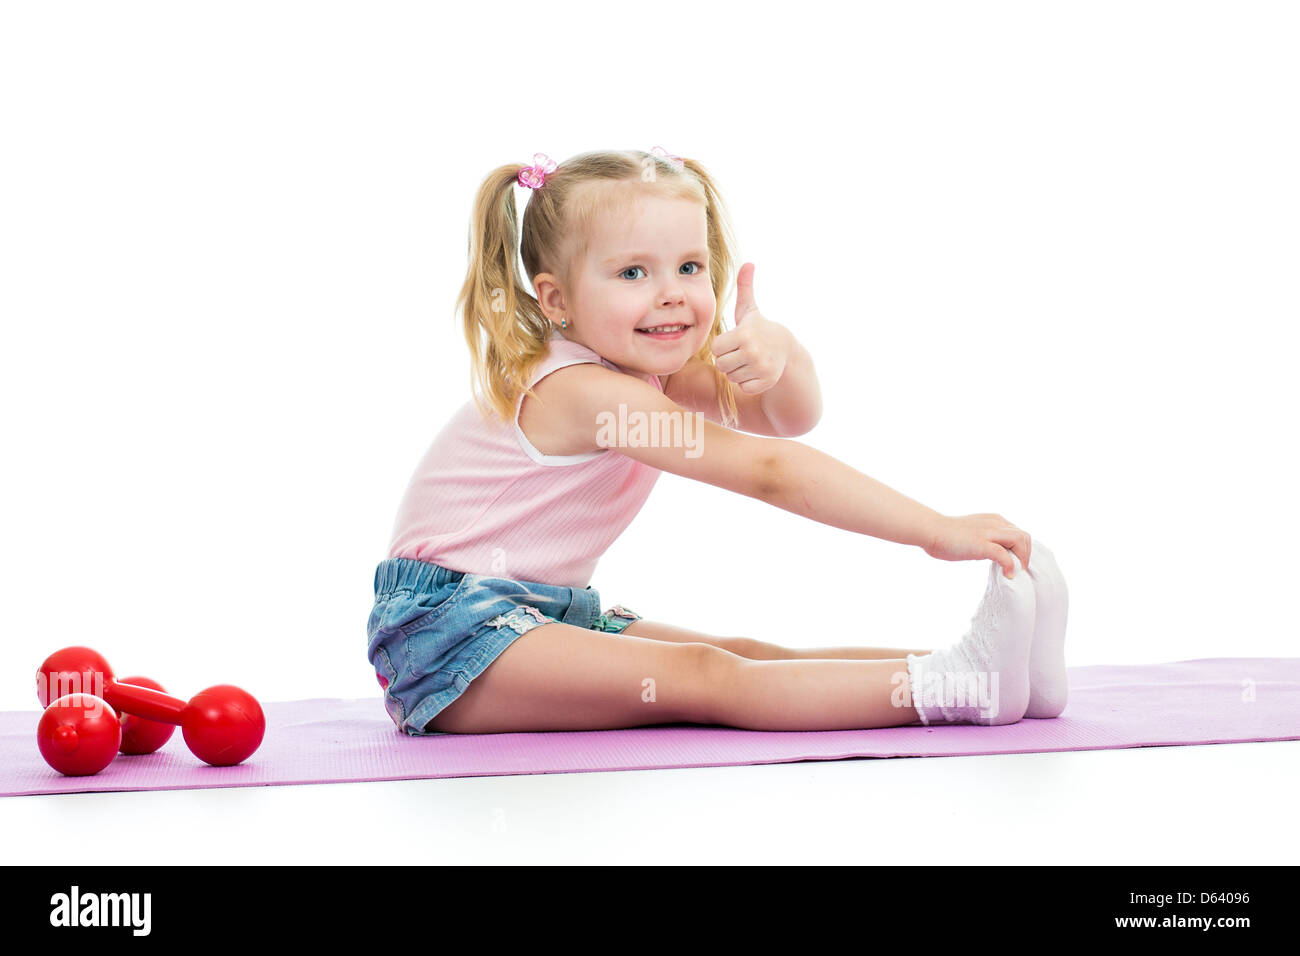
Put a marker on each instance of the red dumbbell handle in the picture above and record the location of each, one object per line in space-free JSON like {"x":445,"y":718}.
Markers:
{"x":143,"y":702}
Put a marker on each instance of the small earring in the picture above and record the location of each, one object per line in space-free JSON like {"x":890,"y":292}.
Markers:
{"x":564,"y":323}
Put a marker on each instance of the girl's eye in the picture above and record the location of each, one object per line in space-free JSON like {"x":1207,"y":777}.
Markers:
{"x":630,"y":269}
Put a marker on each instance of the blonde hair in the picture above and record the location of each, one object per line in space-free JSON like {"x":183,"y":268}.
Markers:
{"x":504,"y":324}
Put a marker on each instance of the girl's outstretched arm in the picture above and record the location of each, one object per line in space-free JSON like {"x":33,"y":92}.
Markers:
{"x":812,"y":483}
{"x":600,"y":408}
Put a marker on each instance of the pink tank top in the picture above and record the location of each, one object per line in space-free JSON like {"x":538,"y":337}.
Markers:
{"x":485,"y":501}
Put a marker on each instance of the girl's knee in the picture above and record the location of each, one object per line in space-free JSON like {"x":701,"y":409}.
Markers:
{"x":714,"y":671}
{"x":686,"y":680}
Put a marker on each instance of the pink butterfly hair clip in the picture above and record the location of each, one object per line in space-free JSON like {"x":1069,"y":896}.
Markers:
{"x":674,"y":161}
{"x":534,"y":176}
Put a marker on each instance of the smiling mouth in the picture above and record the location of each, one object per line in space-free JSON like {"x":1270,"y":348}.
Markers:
{"x":664,"y":328}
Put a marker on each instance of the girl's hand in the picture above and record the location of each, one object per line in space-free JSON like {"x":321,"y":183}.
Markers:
{"x":973,"y":537}
{"x":753,"y":354}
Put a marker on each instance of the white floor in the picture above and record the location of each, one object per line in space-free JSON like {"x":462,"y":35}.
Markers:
{"x":1217,"y":804}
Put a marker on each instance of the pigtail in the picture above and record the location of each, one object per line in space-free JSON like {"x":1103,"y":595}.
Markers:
{"x":503,"y":323}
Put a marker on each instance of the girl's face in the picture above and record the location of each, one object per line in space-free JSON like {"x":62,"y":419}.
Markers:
{"x":645,"y":268}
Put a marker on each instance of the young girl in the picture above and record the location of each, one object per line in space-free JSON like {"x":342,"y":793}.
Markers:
{"x":484,"y":619}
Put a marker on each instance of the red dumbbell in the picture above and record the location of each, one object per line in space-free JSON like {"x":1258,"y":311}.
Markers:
{"x":139,"y":736}
{"x":222,"y":725}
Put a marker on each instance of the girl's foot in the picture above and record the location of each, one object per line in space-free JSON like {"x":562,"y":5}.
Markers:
{"x":1048,"y":685}
{"x":983,"y":678}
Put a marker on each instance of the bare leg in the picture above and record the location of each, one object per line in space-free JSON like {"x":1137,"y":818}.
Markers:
{"x":816,"y":695}
{"x":560,"y":677}
{"x":763,"y":651}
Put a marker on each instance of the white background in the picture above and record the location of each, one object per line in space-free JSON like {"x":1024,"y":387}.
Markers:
{"x":1044,"y":256}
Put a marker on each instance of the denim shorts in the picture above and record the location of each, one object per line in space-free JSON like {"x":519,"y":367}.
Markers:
{"x":433,"y":630}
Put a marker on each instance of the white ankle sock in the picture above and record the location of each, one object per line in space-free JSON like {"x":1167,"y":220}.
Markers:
{"x":984,"y":677}
{"x":1048,"y":683}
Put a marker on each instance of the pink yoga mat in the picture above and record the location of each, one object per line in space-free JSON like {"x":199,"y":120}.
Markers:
{"x":329,"y":740}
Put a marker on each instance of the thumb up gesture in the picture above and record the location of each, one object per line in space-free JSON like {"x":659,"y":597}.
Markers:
{"x":753,"y":354}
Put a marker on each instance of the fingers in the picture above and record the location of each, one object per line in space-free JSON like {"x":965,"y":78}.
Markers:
{"x":1012,"y":539}
{"x":1002,"y":539}
{"x":1021,"y":548}
{"x":1002,"y":556}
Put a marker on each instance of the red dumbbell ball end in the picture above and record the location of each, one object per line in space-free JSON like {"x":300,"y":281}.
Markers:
{"x":78,"y":735}
{"x":223,"y":725}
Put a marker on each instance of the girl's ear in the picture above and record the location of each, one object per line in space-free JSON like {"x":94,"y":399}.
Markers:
{"x":549,"y":295}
